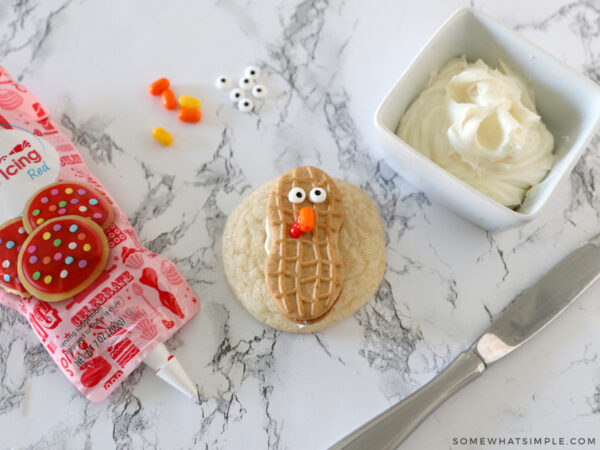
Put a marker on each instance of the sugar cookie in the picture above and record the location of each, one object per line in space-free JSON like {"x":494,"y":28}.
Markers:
{"x":62,"y":257}
{"x":67,"y":198}
{"x":361,"y":245}
{"x":12,"y":237}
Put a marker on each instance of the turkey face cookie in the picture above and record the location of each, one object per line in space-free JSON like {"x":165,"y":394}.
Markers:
{"x":304,"y":270}
{"x":67,"y":198}
{"x":62,"y":257}
{"x":260,"y":251}
{"x":12,"y":237}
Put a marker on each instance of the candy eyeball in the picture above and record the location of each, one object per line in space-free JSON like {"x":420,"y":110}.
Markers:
{"x":296,"y":195}
{"x":223,"y":82}
{"x":260,"y":91}
{"x":236,"y":95}
{"x":246,"y":83}
{"x":246,"y":105}
{"x":252,"y":72}
{"x":317,"y":195}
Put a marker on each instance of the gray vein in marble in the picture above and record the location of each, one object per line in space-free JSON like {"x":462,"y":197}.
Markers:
{"x":221,"y":174}
{"x":24,"y":11}
{"x":343,"y":131}
{"x":232,"y":363}
{"x":40,"y":38}
{"x":488,"y":312}
{"x":15,"y":335}
{"x":128,"y":416}
{"x":495,"y":248}
{"x":298,"y":45}
{"x":325,"y":349}
{"x":388,"y":342}
{"x":411,"y":264}
{"x":595,"y":400}
{"x":158,"y":197}
{"x":585,"y":359}
{"x":528,"y":237}
{"x":584,"y":21}
{"x":101,"y":147}
{"x":294,"y":55}
{"x":583,"y":183}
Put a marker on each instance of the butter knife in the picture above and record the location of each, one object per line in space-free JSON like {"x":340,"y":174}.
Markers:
{"x":530,"y":311}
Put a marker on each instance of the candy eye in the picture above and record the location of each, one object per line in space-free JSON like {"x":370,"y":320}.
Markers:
{"x":223,"y":83}
{"x":297,"y":195}
{"x":252,"y":72}
{"x":246,"y":105}
{"x":259,"y":91}
{"x":236,"y":95}
{"x":246,"y":83}
{"x":317,"y":195}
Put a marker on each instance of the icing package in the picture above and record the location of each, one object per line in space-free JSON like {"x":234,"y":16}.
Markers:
{"x":100,"y":335}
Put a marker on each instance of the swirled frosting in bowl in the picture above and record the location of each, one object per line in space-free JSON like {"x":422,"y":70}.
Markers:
{"x":481,"y":125}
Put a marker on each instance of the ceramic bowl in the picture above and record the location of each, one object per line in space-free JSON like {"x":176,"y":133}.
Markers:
{"x":568,"y":103}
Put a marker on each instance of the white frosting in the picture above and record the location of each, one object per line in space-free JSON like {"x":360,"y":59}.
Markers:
{"x":268,"y":239}
{"x":481,"y":125}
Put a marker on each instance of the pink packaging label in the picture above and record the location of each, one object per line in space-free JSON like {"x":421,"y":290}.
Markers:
{"x":102,"y":334}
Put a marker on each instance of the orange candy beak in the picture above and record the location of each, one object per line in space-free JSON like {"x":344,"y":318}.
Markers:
{"x":306,"y":219}
{"x":305,"y":222}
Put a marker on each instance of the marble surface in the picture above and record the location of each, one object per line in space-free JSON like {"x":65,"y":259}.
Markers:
{"x":327,"y":64}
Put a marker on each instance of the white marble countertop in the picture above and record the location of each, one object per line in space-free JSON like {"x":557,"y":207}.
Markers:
{"x":328,"y":64}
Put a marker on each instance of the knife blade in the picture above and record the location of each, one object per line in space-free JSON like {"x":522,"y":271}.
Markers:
{"x":526,"y":315}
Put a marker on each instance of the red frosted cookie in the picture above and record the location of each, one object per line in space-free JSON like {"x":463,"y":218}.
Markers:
{"x":62,"y":257}
{"x":12,"y":237}
{"x":67,"y":198}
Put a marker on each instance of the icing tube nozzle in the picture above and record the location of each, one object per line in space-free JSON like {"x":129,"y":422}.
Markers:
{"x":168,"y":368}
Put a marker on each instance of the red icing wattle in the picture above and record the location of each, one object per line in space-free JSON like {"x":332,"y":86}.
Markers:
{"x":295,"y":230}
{"x":12,"y":234}
{"x":48,"y":257}
{"x":78,"y":199}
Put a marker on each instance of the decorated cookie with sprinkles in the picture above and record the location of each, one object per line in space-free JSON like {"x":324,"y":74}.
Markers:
{"x":62,"y":257}
{"x":12,"y":237}
{"x":67,"y":198}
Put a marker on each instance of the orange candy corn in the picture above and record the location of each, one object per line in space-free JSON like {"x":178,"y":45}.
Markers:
{"x":168,"y":99}
{"x":189,"y":115}
{"x":306,"y":219}
{"x":159,"y":86}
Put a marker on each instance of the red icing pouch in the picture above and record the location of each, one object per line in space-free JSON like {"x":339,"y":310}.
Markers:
{"x":100,"y":335}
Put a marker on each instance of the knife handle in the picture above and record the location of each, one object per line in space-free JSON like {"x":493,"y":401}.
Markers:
{"x":391,"y":427}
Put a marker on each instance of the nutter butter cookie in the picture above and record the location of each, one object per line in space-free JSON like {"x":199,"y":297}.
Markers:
{"x":62,"y":257}
{"x":304,"y":271}
{"x":12,"y":237}
{"x":301,"y":271}
{"x":67,"y":198}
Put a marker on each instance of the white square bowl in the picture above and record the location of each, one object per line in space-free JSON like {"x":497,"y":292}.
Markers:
{"x":568,"y":102}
